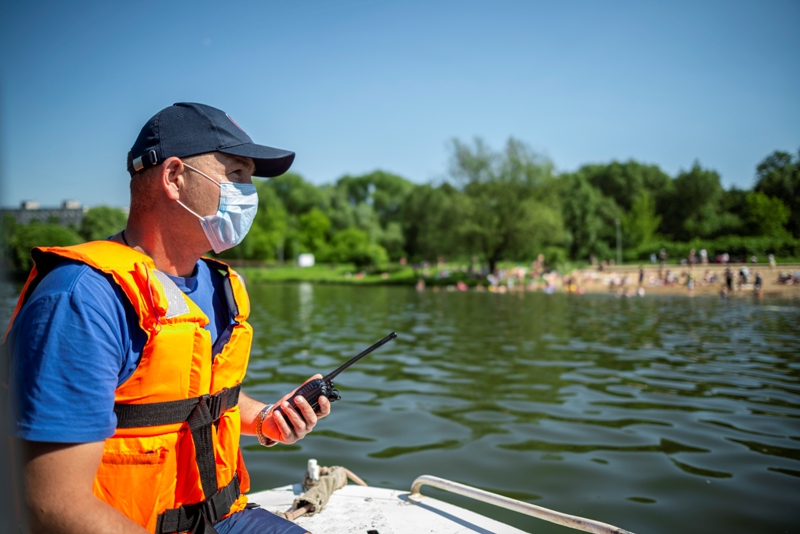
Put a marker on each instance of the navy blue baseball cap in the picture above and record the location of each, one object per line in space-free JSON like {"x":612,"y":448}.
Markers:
{"x":187,"y":129}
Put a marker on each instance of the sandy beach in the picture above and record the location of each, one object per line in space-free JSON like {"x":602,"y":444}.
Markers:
{"x":625,"y":280}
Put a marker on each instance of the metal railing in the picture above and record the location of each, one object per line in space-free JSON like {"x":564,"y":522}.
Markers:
{"x":571,"y":521}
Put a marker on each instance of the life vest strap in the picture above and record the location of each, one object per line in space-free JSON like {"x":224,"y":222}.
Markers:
{"x":200,"y":413}
{"x":170,"y":412}
{"x":200,"y":517}
{"x":200,"y":421}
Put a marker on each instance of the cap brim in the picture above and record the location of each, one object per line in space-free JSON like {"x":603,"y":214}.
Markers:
{"x":270,"y":162}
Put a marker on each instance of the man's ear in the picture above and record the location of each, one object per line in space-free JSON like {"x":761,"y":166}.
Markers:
{"x":172,"y":178}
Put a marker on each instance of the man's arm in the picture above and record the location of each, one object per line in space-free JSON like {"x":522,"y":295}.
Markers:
{"x":58,"y":480}
{"x":275,"y":426}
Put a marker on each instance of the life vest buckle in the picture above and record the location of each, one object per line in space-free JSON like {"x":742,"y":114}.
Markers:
{"x":219,"y":402}
{"x":190,"y":517}
{"x":209,"y":511}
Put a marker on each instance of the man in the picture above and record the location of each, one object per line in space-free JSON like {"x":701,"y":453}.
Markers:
{"x":127,"y":355}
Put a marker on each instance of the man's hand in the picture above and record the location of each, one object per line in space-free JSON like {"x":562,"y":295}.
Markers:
{"x":275,"y":426}
{"x":303,"y":420}
{"x":58,"y":479}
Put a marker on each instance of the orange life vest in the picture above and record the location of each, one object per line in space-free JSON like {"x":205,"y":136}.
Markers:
{"x":174,"y":462}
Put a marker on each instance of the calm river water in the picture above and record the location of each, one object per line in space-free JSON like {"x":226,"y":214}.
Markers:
{"x":654,"y":414}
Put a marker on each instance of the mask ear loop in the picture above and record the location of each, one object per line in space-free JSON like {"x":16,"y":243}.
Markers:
{"x":190,"y":210}
{"x":204,"y":175}
{"x":201,"y":173}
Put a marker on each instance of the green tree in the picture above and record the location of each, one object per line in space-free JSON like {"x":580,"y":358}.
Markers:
{"x":627,"y":182}
{"x":314,"y":226}
{"x":431,"y":222}
{"x":102,"y":222}
{"x":374,"y":203}
{"x":393,"y":241}
{"x":588,"y":217}
{"x":641,"y":222}
{"x":297,"y":195}
{"x":8,"y":228}
{"x":509,"y":209}
{"x":339,"y":209}
{"x":766,"y":216}
{"x":695,"y":209}
{"x":733,"y":206}
{"x":353,"y":246}
{"x":778,"y":176}
{"x":366,"y":218}
{"x":38,"y":234}
{"x":384,"y":191}
{"x":343,"y":215}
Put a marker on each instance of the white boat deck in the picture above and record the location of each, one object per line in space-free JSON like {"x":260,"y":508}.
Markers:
{"x":368,"y":510}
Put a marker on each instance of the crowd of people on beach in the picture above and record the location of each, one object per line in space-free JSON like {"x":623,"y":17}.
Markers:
{"x":535,"y":277}
{"x":741,"y":278}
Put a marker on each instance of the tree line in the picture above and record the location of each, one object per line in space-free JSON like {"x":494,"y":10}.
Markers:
{"x":496,"y":205}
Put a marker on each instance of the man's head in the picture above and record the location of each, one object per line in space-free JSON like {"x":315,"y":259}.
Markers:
{"x":192,"y":163}
{"x":187,"y":129}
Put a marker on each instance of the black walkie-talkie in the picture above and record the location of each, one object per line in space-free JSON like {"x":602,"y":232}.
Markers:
{"x":313,"y":390}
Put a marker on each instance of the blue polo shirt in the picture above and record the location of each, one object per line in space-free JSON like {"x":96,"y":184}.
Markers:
{"x":77,"y":339}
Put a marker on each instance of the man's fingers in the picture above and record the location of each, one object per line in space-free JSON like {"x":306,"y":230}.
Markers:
{"x":295,"y":422}
{"x":295,"y":418}
{"x":308,"y":412}
{"x":283,"y":426}
{"x":324,"y":407}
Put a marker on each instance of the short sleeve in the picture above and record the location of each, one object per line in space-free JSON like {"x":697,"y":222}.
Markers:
{"x":71,"y":345}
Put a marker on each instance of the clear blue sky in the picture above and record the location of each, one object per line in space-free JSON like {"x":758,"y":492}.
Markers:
{"x":358,"y":85}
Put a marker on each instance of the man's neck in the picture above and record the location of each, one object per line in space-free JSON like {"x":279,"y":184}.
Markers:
{"x":177,"y":259}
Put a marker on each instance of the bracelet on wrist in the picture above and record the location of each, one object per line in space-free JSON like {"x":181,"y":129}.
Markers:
{"x":262,"y":439}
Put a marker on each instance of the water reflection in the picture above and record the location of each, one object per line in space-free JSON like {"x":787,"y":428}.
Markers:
{"x":305,"y":304}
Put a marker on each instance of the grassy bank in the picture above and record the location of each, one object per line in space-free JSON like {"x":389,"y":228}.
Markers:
{"x":393,"y":274}
{"x":328,"y":274}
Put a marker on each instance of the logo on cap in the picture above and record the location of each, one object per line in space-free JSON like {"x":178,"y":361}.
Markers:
{"x":236,"y":123}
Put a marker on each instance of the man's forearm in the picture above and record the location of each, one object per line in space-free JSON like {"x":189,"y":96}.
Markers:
{"x":249,"y":408}
{"x":81,"y":517}
{"x":58,"y":481}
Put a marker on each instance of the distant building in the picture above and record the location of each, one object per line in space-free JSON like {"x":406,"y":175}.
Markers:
{"x":69,"y":214}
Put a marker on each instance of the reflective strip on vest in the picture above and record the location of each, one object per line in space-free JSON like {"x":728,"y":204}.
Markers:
{"x":176,"y":302}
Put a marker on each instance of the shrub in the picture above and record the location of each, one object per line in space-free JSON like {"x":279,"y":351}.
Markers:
{"x":37,"y":234}
{"x":352,"y":246}
{"x":102,"y":222}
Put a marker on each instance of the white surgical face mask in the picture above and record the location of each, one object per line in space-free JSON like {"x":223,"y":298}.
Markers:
{"x":238,"y":204}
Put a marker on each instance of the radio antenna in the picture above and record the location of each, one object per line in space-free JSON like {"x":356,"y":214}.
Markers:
{"x":344,"y":366}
